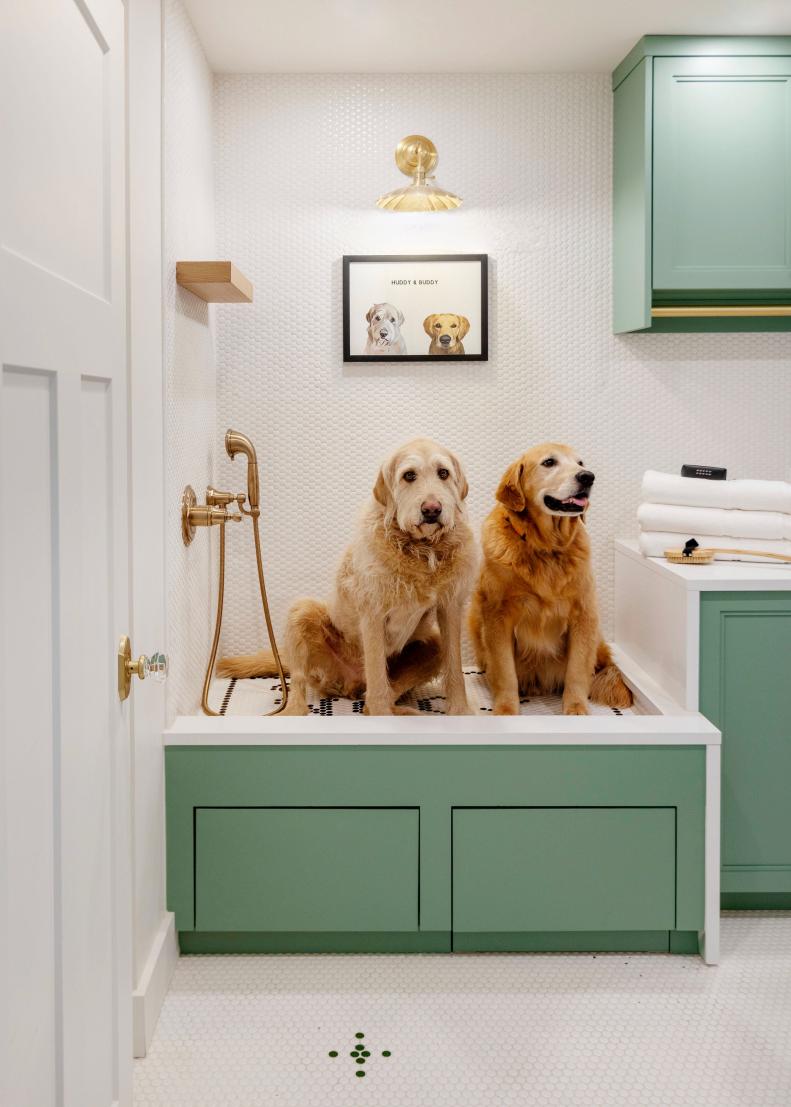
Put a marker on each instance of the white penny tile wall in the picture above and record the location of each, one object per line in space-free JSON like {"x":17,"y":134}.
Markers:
{"x":299,"y":161}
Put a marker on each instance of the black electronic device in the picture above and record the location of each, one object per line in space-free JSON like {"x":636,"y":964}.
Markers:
{"x":707,"y":472}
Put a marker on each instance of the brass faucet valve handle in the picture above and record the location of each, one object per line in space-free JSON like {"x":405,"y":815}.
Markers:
{"x":219,"y":499}
{"x":210,"y":514}
{"x":204,"y":516}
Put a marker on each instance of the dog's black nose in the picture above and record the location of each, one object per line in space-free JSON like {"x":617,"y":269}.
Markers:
{"x":586,"y":478}
{"x":431,"y":511}
{"x":383,"y":334}
{"x":445,"y":339}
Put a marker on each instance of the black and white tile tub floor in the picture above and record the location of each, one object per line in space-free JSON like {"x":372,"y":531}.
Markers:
{"x":261,"y":695}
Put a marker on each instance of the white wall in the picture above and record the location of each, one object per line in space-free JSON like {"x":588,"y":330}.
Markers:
{"x":188,"y":202}
{"x":299,"y":162}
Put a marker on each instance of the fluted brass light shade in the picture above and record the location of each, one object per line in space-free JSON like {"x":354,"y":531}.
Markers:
{"x":416,"y":156}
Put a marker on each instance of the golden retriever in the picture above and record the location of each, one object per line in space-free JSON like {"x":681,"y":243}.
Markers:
{"x":446,"y":333}
{"x":384,"y":330}
{"x":395,"y":618}
{"x":534,"y":619}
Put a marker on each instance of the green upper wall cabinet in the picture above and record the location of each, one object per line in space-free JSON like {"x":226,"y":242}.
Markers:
{"x":702,"y":185}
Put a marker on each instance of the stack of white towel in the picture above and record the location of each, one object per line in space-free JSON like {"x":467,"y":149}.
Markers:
{"x":747,"y":513}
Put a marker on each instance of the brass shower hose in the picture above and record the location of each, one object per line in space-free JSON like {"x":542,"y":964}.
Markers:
{"x":235,"y":442}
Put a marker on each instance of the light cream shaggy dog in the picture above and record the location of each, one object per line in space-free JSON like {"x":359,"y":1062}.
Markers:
{"x":395,"y":618}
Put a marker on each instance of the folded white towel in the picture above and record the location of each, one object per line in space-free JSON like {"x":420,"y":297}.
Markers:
{"x":715,"y":520}
{"x":745,"y":495}
{"x":653,"y":543}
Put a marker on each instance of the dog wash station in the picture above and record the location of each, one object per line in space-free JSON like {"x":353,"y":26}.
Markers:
{"x":338,"y":831}
{"x":407,"y":834}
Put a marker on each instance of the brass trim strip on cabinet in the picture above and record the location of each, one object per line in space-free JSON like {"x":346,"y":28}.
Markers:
{"x":742,"y":311}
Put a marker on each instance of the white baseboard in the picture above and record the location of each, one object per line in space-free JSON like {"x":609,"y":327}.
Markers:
{"x":154,"y":982}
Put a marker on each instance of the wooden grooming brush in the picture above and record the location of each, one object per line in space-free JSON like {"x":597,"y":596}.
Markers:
{"x":695,"y":554}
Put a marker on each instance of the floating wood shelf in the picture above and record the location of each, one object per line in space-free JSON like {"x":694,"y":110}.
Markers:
{"x":217,"y":282}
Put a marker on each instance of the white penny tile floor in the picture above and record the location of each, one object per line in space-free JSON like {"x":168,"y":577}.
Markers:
{"x":481,"y":1030}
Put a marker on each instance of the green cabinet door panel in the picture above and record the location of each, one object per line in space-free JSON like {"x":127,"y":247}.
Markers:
{"x":722,"y":173}
{"x":585,"y":869}
{"x":745,"y":690}
{"x":306,"y":869}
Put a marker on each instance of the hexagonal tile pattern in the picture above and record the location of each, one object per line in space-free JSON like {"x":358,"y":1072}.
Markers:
{"x":482,"y":1030}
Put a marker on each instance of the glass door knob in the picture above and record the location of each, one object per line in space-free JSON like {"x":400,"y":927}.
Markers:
{"x":155,"y":666}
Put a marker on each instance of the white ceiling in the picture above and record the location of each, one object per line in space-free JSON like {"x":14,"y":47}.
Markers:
{"x":451,"y":36}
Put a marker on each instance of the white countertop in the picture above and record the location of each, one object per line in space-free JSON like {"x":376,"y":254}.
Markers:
{"x":720,"y":576}
{"x":400,"y":730}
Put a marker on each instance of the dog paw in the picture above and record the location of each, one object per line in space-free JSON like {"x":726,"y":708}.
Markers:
{"x":377,"y":709}
{"x":460,"y":708}
{"x":295,"y":709}
{"x":401,"y":709}
{"x":505,"y":707}
{"x":575,"y":707}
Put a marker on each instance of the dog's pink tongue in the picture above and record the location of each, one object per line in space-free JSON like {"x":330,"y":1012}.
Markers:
{"x":580,"y":501}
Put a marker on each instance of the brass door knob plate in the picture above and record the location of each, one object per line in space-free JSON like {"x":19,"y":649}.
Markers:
{"x":155,"y":666}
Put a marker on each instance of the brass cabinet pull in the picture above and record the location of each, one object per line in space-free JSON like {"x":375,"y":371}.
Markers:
{"x":743,"y":311}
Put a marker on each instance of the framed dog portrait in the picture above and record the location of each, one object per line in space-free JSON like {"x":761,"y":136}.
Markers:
{"x":415,"y":308}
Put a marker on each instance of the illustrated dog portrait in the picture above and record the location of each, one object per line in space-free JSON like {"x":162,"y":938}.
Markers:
{"x":534,"y":619}
{"x":446,"y":333}
{"x":394,"y":619}
{"x":384,"y":330}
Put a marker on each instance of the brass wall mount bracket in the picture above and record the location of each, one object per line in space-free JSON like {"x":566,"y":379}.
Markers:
{"x":188,"y":501}
{"x":416,"y":154}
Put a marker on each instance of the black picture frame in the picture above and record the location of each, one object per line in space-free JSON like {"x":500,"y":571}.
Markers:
{"x":350,"y":260}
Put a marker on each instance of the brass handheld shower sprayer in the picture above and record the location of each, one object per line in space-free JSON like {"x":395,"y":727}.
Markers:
{"x":215,"y":513}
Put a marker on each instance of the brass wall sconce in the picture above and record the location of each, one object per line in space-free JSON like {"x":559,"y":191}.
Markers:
{"x":417,"y":157}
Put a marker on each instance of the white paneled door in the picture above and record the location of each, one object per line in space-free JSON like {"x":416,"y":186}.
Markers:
{"x":65,"y":977}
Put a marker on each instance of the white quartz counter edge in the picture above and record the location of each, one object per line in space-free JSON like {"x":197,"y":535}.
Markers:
{"x":720,"y":576}
{"x":639,"y":730}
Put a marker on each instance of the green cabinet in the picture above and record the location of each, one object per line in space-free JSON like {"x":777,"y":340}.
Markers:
{"x":702,"y":185}
{"x":306,"y":869}
{"x":745,"y":690}
{"x":426,"y":848}
{"x":584,"y":868}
